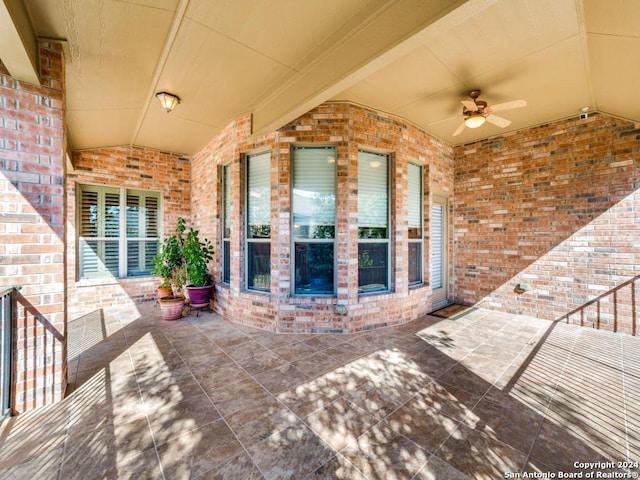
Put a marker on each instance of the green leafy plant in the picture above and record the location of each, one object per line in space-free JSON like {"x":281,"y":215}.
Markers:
{"x":180,"y":278}
{"x":164,"y":272}
{"x":168,"y":261}
{"x":364,"y":260}
{"x":183,"y":258}
{"x":197,"y":254}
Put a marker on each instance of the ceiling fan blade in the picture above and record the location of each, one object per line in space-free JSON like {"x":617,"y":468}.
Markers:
{"x":438,"y":122}
{"x":508,"y":105}
{"x":469,"y":105}
{"x":499,"y":121}
{"x":459,"y":130}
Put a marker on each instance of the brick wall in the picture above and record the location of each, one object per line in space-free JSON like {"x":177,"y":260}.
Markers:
{"x":554,"y":209}
{"x":128,"y":167}
{"x":348,"y":127}
{"x":32,"y":227}
{"x":229,"y":147}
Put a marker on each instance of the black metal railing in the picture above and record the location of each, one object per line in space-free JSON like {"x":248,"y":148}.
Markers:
{"x":615,"y":308}
{"x":7,"y":313}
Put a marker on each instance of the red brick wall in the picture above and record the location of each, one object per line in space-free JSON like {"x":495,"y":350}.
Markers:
{"x":348,"y":127}
{"x":554,"y":209}
{"x":128,"y":167}
{"x":32,"y":227}
{"x":229,"y":147}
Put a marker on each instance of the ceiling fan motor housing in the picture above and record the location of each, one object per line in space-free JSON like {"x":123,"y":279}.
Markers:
{"x":480,"y":106}
{"x":475,"y":112}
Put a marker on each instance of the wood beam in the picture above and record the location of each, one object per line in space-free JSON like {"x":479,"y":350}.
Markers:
{"x":390,"y":32}
{"x":18,"y":42}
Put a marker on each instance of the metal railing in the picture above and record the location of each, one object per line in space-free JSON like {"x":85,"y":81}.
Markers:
{"x":610,"y":304}
{"x":7,"y":313}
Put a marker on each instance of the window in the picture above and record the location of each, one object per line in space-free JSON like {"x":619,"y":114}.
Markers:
{"x":259,"y":222}
{"x":314,"y":220}
{"x":415,"y":224}
{"x":373,"y":222}
{"x":105,"y":248}
{"x":226,"y":224}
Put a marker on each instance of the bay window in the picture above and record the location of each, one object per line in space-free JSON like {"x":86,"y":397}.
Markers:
{"x":118,"y":231}
{"x":373,"y":222}
{"x":314,"y":220}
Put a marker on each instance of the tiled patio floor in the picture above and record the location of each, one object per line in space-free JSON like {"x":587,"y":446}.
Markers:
{"x":480,"y":397}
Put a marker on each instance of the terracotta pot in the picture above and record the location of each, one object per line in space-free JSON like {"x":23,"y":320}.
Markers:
{"x":171,"y":307}
{"x":199,"y":296}
{"x":164,"y":292}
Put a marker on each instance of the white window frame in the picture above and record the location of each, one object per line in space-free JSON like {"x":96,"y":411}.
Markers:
{"x":122,"y":238}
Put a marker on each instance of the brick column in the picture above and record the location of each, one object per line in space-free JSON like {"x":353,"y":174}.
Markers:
{"x":32,"y":227}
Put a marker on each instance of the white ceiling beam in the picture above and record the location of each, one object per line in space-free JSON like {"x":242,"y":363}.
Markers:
{"x":388,"y":34}
{"x":18,"y":42}
{"x":162,"y":61}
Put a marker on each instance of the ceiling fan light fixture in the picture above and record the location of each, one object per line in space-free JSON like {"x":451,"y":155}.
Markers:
{"x":168,"y":101}
{"x":474,"y":121}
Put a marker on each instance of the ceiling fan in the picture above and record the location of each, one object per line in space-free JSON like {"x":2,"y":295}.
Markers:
{"x":476,"y":112}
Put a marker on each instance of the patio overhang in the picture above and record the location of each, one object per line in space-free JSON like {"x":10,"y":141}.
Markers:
{"x":18,"y":42}
{"x":278,"y":60}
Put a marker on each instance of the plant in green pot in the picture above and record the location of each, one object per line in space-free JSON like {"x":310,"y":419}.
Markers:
{"x":197,"y":254}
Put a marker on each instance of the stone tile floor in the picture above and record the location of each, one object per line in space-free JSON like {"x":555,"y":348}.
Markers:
{"x":485,"y":396}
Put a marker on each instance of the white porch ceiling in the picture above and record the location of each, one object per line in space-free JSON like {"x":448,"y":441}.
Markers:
{"x":278,"y":59}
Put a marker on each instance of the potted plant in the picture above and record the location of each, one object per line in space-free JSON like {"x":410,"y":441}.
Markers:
{"x":172,"y":307}
{"x":184,"y":259}
{"x":166,"y":264}
{"x":197,"y":254}
{"x":169,"y":265}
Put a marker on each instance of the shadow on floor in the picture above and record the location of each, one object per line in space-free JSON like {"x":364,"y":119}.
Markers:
{"x":483,"y":396}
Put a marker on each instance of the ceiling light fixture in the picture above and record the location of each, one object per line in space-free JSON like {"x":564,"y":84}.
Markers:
{"x":168,"y":100}
{"x":375,"y":164}
{"x":474,"y":121}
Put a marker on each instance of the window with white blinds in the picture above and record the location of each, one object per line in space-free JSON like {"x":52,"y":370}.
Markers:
{"x":143,"y":231}
{"x":118,"y":231}
{"x":258,"y":264}
{"x":226,"y":207}
{"x":226,"y":223}
{"x":415,"y":200}
{"x":314,"y":192}
{"x":314,"y":219}
{"x":437,"y":245}
{"x":259,"y":195}
{"x":373,"y":223}
{"x":414,"y":221}
{"x":373,"y":195}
